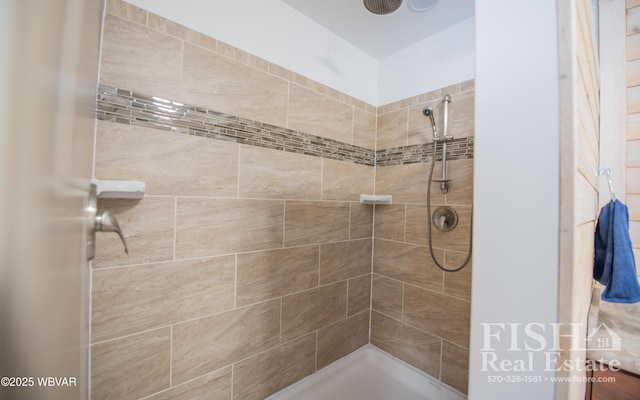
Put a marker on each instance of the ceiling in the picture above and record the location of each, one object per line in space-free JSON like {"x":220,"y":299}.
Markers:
{"x":382,"y":35}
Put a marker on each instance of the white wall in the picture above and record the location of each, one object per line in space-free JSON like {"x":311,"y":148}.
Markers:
{"x":437,"y":61}
{"x":516,"y":193}
{"x":276,"y":32}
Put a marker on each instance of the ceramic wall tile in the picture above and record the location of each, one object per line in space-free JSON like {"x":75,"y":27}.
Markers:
{"x":259,"y":377}
{"x":390,"y":222}
{"x":320,"y":115}
{"x":387,"y":296}
{"x":213,"y":386}
{"x":207,"y":344}
{"x":135,"y":299}
{"x":128,"y":11}
{"x":344,"y":260}
{"x":126,"y":152}
{"x":443,"y":316}
{"x":364,"y":129}
{"x":392,"y":129}
{"x":147,"y":226}
{"x":213,"y":81}
{"x":359,"y":294}
{"x":269,"y":174}
{"x":407,"y":263}
{"x":338,"y":340}
{"x":139,"y":58}
{"x":361,"y":221}
{"x":131,"y":367}
{"x":310,"y":222}
{"x":206,"y":227}
{"x":342,"y":180}
{"x":307,"y":311}
{"x":455,"y":366}
{"x":407,"y":183}
{"x":274,"y":273}
{"x":407,"y":343}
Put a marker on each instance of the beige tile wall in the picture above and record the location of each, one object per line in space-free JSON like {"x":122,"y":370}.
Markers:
{"x":633,"y":124}
{"x":249,"y":268}
{"x":420,"y":313}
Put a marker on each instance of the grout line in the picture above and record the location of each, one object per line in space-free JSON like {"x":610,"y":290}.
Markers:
{"x":315,"y":368}
{"x":171,"y":356}
{"x":288,"y":102}
{"x":235,"y":284}
{"x":319,"y":264}
{"x":407,"y":125}
{"x":349,"y":225}
{"x":322,"y":178}
{"x":444,"y":275}
{"x":233,"y":368}
{"x":440,"y":366}
{"x":346,"y":311}
{"x":182,"y":50}
{"x":155,"y":328}
{"x":373,"y":249}
{"x":175,"y":226}
{"x":185,"y":383}
{"x":281,"y":301}
{"x":238,"y":172}
{"x":404,"y":233}
{"x":353,"y":124}
{"x":284,"y":225}
{"x":402,"y":303}
{"x":420,"y":329}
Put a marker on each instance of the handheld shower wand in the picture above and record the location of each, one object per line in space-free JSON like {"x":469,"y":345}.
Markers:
{"x":428,"y":112}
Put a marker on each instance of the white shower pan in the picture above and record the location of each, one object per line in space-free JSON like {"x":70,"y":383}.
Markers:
{"x":368,"y":374}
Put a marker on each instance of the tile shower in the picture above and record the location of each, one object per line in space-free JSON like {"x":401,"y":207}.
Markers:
{"x":250,"y":262}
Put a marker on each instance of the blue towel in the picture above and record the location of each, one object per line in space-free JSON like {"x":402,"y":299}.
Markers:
{"x":614,"y":264}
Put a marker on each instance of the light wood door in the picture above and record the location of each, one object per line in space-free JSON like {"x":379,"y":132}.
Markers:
{"x":47,"y":127}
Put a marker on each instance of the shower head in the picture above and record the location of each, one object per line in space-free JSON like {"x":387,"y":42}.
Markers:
{"x":382,"y":7}
{"x":428,"y":112}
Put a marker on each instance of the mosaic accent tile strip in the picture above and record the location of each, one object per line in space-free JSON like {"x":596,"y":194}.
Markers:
{"x":126,"y":107}
{"x":131,"y":108}
{"x":457,"y":149}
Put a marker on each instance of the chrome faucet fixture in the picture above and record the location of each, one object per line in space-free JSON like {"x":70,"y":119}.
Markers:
{"x":428,"y":112}
{"x":444,"y":218}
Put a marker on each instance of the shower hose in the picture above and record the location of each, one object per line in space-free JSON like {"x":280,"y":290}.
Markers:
{"x":433,"y":257}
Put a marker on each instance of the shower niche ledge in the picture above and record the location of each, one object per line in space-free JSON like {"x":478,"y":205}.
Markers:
{"x":381,"y":199}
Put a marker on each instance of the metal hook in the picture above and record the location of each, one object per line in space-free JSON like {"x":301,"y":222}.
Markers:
{"x":607,"y":172}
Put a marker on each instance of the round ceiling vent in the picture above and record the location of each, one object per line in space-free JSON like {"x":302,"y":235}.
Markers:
{"x":382,"y":7}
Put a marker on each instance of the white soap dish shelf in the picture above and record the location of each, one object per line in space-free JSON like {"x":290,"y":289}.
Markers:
{"x":120,"y":189}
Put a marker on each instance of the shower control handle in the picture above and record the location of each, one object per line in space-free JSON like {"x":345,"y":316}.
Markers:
{"x":445,"y":218}
{"x":106,"y":222}
{"x":441,"y":222}
{"x":99,"y":221}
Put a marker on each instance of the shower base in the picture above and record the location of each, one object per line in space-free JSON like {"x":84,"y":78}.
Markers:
{"x":368,"y":374}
